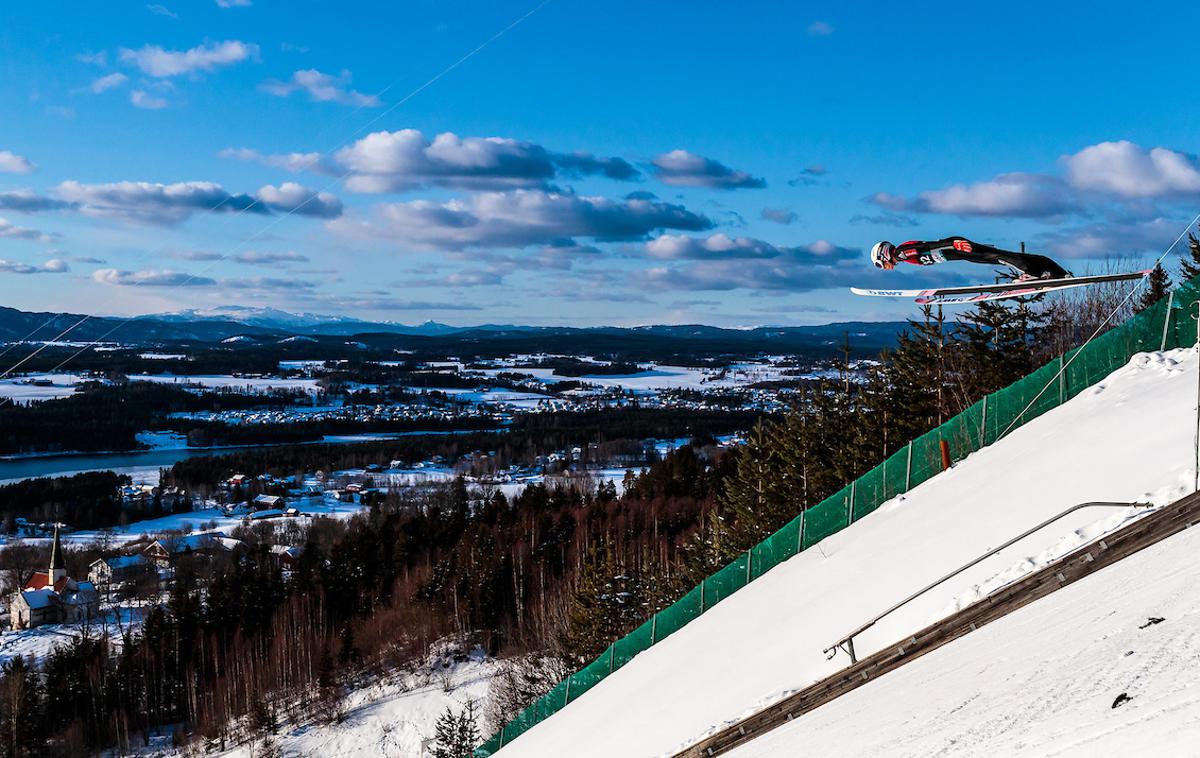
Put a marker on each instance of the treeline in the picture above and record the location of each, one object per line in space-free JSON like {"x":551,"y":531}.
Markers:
{"x":530,"y":436}
{"x":109,"y":416}
{"x":85,"y":501}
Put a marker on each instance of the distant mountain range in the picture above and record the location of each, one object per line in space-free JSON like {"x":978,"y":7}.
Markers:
{"x":269,"y":325}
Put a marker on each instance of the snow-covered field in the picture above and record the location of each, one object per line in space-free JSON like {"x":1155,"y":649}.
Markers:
{"x":42,"y":640}
{"x":1129,"y":438}
{"x":1041,"y":681}
{"x":22,"y":390}
{"x":658,"y":377}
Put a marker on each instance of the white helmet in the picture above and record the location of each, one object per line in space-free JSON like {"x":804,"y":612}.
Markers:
{"x":883,"y":255}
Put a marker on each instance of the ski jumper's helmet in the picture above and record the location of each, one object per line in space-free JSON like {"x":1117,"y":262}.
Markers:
{"x":883,"y":255}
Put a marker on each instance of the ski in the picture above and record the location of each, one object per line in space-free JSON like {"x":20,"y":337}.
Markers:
{"x":981,"y":292}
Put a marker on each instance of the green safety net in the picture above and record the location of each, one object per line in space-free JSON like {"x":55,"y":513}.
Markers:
{"x":1167,"y":324}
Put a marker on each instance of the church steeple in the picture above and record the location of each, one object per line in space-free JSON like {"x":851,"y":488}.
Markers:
{"x":57,"y":569}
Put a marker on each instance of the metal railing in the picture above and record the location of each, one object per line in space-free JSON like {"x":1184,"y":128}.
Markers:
{"x":846,"y":643}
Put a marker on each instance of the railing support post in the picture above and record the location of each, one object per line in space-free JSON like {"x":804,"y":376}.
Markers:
{"x":908,"y":469}
{"x":1167,"y":320}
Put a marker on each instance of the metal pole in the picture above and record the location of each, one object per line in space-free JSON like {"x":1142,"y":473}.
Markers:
{"x":1062,"y":378}
{"x":908,"y":469}
{"x":653,"y":630}
{"x":1167,"y":320}
{"x":702,"y":582}
{"x":749,"y":560}
{"x":1196,"y":482}
{"x":983,"y":424}
{"x":850,"y":505}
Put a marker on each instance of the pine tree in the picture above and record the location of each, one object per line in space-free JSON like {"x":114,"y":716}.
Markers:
{"x":1189,"y":267}
{"x":1159,"y":283}
{"x":456,"y":733}
{"x":610,"y":599}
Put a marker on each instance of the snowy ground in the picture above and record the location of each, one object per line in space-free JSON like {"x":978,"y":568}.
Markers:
{"x":659,"y":377}
{"x":22,"y":391}
{"x":391,"y":720}
{"x":42,"y":640}
{"x":1128,"y":438}
{"x":1041,"y":681}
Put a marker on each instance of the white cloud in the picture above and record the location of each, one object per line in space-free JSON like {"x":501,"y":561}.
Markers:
{"x":680,"y":167}
{"x":154,"y":203}
{"x":158,"y":62}
{"x":15,"y":164}
{"x":715,"y":247}
{"x":162,"y":10}
{"x":294,"y":162}
{"x":323,"y":88}
{"x":1130,"y":171}
{"x":142,"y":99}
{"x":518,"y":219}
{"x":10,"y":231}
{"x":1009,"y":195}
{"x":234,"y":3}
{"x":150,"y":278}
{"x":290,"y":197}
{"x":53,"y":266}
{"x":820,"y":29}
{"x":406,"y":159}
{"x":105,"y":83}
{"x":266,"y":257}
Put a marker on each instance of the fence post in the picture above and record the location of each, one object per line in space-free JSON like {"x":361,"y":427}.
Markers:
{"x":567,"y":692}
{"x":1167,"y":320}
{"x":654,"y":629}
{"x":908,"y":469}
{"x":749,"y":559}
{"x":1062,"y":378}
{"x":702,"y":583}
{"x":983,"y":424}
{"x":800,"y":535}
{"x":850,"y":505}
{"x":612,"y":651}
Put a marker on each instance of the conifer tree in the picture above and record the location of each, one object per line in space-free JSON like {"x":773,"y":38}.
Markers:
{"x":1189,"y":267}
{"x":1157,"y":286}
{"x":456,"y":733}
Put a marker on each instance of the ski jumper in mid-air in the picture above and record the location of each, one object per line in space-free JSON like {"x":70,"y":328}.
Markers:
{"x":885,"y":255}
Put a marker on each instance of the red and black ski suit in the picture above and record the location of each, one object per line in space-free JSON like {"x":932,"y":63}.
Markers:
{"x":962,"y":249}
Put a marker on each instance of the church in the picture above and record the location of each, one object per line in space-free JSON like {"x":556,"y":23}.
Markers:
{"x":52,"y":597}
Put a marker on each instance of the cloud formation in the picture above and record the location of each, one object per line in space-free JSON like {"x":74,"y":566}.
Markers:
{"x":783,"y":216}
{"x":293,"y":162}
{"x":146,"y":101}
{"x":150,"y":278}
{"x":155,"y":61}
{"x":154,"y":203}
{"x":266,"y":257}
{"x":1008,"y":195}
{"x":12,"y":163}
{"x":715,"y":247}
{"x":1130,"y":171}
{"x":54,"y":266}
{"x":322,"y":88}
{"x":792,"y":269}
{"x":820,"y":29}
{"x":679,"y":167}
{"x":9,"y":231}
{"x":105,"y":83}
{"x":518,"y":219}
{"x":290,"y":197}
{"x":406,"y":160}
{"x":27,"y":201}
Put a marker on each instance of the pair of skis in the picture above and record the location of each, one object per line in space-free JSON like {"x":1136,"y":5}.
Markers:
{"x":980,"y":292}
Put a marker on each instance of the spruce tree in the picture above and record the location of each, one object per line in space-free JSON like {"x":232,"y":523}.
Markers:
{"x":1189,"y":267}
{"x":1158,"y":284}
{"x":456,"y":734}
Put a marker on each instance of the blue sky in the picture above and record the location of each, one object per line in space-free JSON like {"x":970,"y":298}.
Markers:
{"x":597,"y":163}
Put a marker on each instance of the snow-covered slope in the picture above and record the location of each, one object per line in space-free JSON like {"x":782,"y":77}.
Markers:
{"x":1042,"y":681}
{"x":1128,"y":438}
{"x":393,"y":719}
